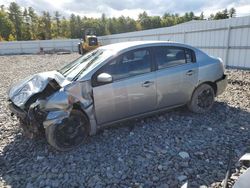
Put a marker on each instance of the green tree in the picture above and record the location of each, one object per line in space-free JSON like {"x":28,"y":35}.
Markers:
{"x":28,"y":25}
{"x":26,"y":31}
{"x":46,"y":18}
{"x":221,"y":15}
{"x":65,"y":28}
{"x":16,"y":17}
{"x":155,"y":22}
{"x":57,"y":31}
{"x":1,"y":38}
{"x":11,"y":38}
{"x":232,"y":12}
{"x":44,"y":26}
{"x":72,"y":25}
{"x":144,"y":20}
{"x":6,"y":26}
{"x":34,"y":23}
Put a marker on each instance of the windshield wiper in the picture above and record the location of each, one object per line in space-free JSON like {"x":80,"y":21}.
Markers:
{"x":78,"y":63}
{"x":89,"y":63}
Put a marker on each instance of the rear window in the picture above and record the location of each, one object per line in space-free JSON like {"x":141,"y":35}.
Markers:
{"x":172,"y":56}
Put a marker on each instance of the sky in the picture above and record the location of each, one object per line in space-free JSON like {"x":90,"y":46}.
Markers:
{"x":131,"y":8}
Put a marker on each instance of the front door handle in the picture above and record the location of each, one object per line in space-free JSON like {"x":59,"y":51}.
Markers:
{"x":190,"y":72}
{"x":147,"y":83}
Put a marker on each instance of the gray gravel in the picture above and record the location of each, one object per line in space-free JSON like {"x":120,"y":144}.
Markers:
{"x":163,"y":150}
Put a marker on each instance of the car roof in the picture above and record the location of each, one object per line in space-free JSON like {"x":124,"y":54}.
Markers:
{"x":124,"y":45}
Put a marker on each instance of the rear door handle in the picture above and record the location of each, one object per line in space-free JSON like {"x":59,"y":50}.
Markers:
{"x":190,"y":72}
{"x":147,"y":83}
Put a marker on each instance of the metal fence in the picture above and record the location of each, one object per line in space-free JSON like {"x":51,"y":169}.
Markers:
{"x":32,"y":47}
{"x":228,"y":39}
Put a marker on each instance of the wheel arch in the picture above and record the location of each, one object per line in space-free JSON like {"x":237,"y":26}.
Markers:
{"x":89,"y":114}
{"x":77,"y":106}
{"x":212,"y":84}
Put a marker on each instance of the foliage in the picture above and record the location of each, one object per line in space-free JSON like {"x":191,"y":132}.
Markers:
{"x":25,"y":24}
{"x":11,"y":38}
{"x":223,"y":14}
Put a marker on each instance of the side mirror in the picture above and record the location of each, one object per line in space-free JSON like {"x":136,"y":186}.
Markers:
{"x":104,"y":78}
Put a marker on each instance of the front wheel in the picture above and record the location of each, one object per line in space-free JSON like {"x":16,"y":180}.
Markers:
{"x":202,"y":99}
{"x":70,"y":133}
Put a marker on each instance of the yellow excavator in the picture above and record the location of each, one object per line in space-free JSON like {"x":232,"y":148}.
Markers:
{"x":89,"y":41}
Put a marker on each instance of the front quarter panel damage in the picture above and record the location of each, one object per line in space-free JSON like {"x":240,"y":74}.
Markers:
{"x":60,"y":104}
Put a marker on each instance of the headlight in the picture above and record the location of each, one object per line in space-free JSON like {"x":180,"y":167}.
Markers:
{"x":33,"y":86}
{"x":20,"y":99}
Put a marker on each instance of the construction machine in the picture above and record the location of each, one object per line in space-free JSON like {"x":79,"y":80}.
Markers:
{"x":89,"y":41}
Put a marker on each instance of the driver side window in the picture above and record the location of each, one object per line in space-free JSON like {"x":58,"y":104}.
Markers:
{"x":129,"y":64}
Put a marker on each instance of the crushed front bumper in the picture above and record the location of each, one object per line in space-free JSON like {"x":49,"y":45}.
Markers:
{"x":221,"y":84}
{"x":30,"y":121}
{"x":17,"y":111}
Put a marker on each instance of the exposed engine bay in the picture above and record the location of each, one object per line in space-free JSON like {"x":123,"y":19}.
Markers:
{"x":51,"y":100}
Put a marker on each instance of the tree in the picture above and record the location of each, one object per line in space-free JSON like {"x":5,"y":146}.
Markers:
{"x":16,"y":24}
{"x":11,"y":37}
{"x":144,"y":20}
{"x":72,"y":24}
{"x":58,"y":28}
{"x":221,"y":15}
{"x":6,"y":26}
{"x":26,"y":34}
{"x":2,"y":8}
{"x":211,"y":17}
{"x":15,"y":15}
{"x":34,"y":23}
{"x":232,"y":13}
{"x":65,"y":28}
{"x":44,"y":26}
{"x":155,"y":22}
{"x":1,"y":38}
{"x":201,"y":16}
{"x":103,"y":25}
{"x":46,"y":18}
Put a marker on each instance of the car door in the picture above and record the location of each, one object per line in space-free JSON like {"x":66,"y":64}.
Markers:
{"x":132,"y":91}
{"x":176,"y":75}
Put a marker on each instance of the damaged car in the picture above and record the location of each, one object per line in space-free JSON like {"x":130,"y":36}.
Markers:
{"x":114,"y":83}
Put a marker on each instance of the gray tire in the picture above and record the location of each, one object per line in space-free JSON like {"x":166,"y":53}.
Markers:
{"x":83,"y":51}
{"x":79,"y":48}
{"x":202,"y":99}
{"x":70,"y":133}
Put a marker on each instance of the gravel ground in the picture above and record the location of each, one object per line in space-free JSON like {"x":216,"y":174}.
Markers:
{"x":163,"y":150}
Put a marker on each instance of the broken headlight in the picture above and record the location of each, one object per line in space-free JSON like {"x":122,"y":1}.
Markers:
{"x":31,"y":87}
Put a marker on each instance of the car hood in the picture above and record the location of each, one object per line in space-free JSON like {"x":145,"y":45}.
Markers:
{"x":44,"y":78}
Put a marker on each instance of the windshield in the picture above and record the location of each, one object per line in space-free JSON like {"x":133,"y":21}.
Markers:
{"x":75,"y":69}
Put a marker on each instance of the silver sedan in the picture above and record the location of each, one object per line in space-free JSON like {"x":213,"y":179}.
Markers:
{"x":114,"y":83}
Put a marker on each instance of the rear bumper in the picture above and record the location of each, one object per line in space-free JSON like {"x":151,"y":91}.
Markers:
{"x":221,"y":84}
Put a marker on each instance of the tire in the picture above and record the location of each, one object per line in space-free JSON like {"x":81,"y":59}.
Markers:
{"x":83,"y":51}
{"x":63,"y":137}
{"x":202,"y":99}
{"x":79,"y":48}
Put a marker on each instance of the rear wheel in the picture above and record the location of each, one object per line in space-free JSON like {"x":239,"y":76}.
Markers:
{"x":70,"y":133}
{"x":79,"y":48}
{"x":83,"y":51}
{"x":202,"y":99}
